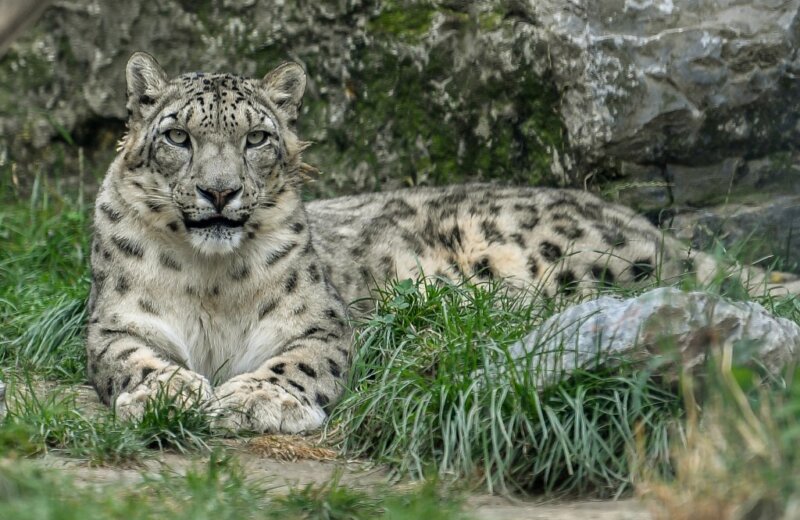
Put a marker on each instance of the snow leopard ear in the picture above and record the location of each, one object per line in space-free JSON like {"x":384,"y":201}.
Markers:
{"x":285,"y":86}
{"x":146,"y":79}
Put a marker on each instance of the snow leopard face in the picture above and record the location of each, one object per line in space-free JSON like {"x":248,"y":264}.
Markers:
{"x":211,"y":154}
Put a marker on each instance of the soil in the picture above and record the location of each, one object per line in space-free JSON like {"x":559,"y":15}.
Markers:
{"x":281,"y":461}
{"x":279,"y":475}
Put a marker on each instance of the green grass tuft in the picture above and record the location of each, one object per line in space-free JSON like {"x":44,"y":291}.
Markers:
{"x":335,"y":501}
{"x":41,"y":420}
{"x":54,"y":341}
{"x":216,"y":490}
{"x":176,"y":422}
{"x":419,"y":399}
{"x":330,"y":500}
{"x":50,"y":419}
{"x":44,"y":282}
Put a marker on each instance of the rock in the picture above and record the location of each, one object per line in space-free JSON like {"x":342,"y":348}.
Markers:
{"x":643,"y":187}
{"x":664,"y":328}
{"x":718,"y":189}
{"x":701,"y":184}
{"x":751,"y":207}
{"x":16,"y":15}
{"x":673,"y":81}
{"x":399,"y":92}
{"x":664,"y":103}
{"x":761,"y":231}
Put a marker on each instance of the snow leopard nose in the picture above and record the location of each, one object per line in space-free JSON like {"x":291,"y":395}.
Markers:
{"x":219,"y":198}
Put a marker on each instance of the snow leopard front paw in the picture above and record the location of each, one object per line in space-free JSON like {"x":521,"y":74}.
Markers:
{"x":182,"y":387}
{"x":248,"y":404}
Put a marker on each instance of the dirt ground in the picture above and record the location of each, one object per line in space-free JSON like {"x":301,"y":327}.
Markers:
{"x":283,"y":461}
{"x":284,"y":473}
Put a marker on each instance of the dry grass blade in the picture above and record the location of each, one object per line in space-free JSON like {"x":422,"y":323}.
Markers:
{"x":289,"y":448}
{"x":727,"y":467}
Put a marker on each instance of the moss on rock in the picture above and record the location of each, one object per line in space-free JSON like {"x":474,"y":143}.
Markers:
{"x":400,"y":92}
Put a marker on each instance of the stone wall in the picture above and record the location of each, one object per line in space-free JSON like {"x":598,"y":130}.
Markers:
{"x":399,"y":93}
{"x":683,"y":109}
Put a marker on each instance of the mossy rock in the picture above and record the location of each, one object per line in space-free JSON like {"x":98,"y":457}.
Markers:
{"x":400,"y":92}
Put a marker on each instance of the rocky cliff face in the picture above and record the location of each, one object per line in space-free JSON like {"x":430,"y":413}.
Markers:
{"x":675,"y":92}
{"x":399,"y":92}
{"x":667,"y":105}
{"x":685,"y":109}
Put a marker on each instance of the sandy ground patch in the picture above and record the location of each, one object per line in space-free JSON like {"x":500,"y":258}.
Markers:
{"x":281,"y":461}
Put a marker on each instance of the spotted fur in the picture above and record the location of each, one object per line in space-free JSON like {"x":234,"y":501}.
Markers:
{"x":212,"y":280}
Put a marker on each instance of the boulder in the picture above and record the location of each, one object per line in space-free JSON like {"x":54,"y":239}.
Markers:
{"x":682,"y":82}
{"x":758,"y":231}
{"x":399,"y":92}
{"x":665,"y":330}
{"x":665,"y":104}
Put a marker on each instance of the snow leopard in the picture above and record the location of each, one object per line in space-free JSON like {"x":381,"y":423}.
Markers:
{"x":213,"y":282}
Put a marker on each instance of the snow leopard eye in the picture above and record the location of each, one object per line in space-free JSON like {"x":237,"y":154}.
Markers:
{"x":256,"y":138}
{"x":177,"y":137}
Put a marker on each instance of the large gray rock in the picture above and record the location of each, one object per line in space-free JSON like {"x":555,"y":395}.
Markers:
{"x":755,"y":231}
{"x":399,"y":92}
{"x":420,"y":91}
{"x":683,"y":103}
{"x":735,"y":180}
{"x":665,"y":329}
{"x":690,"y":82}
{"x":752,"y":207}
{"x":687,"y":104}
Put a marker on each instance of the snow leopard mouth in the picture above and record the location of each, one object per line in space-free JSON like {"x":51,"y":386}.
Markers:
{"x":217,"y":221}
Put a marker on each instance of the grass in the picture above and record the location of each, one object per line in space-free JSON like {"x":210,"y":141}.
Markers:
{"x":180,"y":423}
{"x":52,"y":421}
{"x":421,"y":398}
{"x":739,"y":457}
{"x":333,"y":501}
{"x":53,"y":342}
{"x":42,"y":420}
{"x":44,"y":281}
{"x":218,"y":489}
